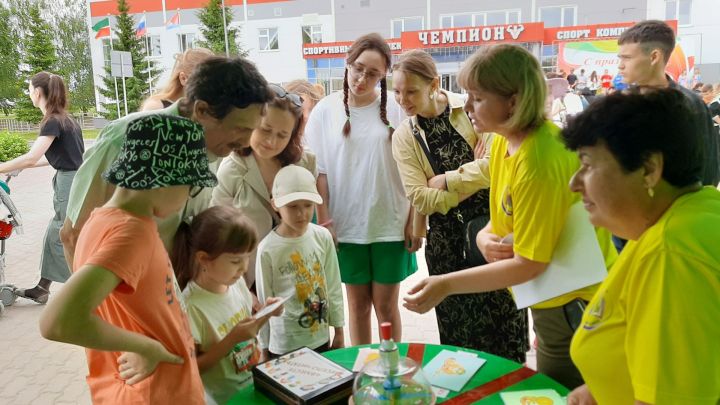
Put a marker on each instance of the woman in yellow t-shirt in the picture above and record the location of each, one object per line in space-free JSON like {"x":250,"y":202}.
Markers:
{"x":529,"y":200}
{"x":651,"y":334}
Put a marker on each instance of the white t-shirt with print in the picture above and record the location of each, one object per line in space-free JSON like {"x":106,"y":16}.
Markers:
{"x":212,"y":316}
{"x":306,"y":269}
{"x":367,"y":199}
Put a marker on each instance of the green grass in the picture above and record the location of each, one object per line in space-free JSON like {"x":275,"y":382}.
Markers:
{"x":30,"y":136}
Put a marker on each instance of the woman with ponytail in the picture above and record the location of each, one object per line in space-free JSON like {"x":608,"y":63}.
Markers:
{"x":365,"y":206}
{"x":61,"y":142}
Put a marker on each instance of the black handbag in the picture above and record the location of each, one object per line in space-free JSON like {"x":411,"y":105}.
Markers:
{"x":472,"y":255}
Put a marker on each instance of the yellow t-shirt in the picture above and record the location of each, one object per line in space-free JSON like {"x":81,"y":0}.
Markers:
{"x":652,"y":332}
{"x":530,"y":197}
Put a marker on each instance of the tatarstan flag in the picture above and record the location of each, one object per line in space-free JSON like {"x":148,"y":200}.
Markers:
{"x":102,"y":28}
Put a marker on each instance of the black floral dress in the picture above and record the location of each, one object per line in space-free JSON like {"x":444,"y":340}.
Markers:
{"x":489,"y":321}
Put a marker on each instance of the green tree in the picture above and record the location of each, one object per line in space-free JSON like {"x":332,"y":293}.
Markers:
{"x":9,"y":60}
{"x":138,"y":86}
{"x":211,"y":17}
{"x":74,"y":61}
{"x":38,"y":54}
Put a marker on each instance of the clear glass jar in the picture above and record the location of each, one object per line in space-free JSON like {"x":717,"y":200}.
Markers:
{"x":409,"y":386}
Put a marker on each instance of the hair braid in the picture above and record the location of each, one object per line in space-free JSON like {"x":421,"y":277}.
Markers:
{"x":383,"y":106}
{"x":346,"y":89}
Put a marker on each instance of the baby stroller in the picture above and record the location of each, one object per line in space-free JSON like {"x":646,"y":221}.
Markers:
{"x":9,"y":221}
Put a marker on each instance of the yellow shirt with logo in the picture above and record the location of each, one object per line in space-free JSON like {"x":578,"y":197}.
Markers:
{"x":652,"y":332}
{"x":530,"y":198}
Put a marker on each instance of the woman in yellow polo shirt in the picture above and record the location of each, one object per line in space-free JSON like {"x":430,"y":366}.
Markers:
{"x":529,"y":172}
{"x":651,"y":334}
{"x":487,"y":321}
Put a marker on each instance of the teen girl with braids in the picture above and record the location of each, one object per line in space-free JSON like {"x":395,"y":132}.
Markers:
{"x":365,"y":207}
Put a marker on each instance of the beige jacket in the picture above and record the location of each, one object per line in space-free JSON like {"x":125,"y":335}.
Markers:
{"x":240,"y":185}
{"x":415,"y":169}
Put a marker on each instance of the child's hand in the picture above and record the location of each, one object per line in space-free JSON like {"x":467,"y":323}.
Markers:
{"x":276,"y":312}
{"x":135,"y":367}
{"x":246,"y":329}
{"x":338,"y":341}
{"x":256,"y":305}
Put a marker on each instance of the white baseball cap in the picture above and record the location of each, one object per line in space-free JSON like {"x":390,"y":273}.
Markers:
{"x":294,"y":183}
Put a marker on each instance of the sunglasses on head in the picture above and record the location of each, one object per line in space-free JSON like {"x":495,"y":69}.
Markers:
{"x":282,"y":93}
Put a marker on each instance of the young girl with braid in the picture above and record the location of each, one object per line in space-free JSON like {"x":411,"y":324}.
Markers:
{"x":364,"y":207}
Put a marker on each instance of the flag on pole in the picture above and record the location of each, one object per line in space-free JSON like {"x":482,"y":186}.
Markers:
{"x":102,"y":28}
{"x":141,"y":28}
{"x":173,"y":22}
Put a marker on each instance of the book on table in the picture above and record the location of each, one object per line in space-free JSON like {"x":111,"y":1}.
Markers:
{"x":303,"y":377}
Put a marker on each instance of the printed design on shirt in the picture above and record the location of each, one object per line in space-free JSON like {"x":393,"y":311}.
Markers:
{"x":506,"y":202}
{"x":245,"y":355}
{"x":310,"y":290}
{"x":594,"y":316}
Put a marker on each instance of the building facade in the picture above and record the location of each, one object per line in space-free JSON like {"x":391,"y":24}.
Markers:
{"x":290,"y":39}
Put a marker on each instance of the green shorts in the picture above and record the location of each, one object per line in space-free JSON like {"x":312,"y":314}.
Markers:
{"x":380,"y":262}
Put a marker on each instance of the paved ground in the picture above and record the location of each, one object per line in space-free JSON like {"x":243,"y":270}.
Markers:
{"x":36,"y":371}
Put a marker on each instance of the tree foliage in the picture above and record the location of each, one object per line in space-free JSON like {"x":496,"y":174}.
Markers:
{"x":9,"y":60}
{"x":211,"y":17}
{"x":38,"y":54}
{"x":74,"y":61}
{"x":144,"y":72}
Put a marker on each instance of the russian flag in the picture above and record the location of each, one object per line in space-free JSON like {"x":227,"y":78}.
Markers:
{"x":141,"y":28}
{"x":173,"y":22}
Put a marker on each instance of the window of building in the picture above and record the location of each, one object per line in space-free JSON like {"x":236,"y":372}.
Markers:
{"x":106,"y":51}
{"x":497,"y":17}
{"x":678,"y":10}
{"x":268,"y":39}
{"x":399,"y":25}
{"x":186,"y":41}
{"x":548,"y":58}
{"x":560,"y":16}
{"x":152,"y":45}
{"x":312,"y":34}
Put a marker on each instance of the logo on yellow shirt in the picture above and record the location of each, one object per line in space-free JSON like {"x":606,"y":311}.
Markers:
{"x":506,"y":203}
{"x":594,"y":316}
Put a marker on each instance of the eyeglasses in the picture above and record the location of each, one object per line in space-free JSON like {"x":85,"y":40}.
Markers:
{"x":195,"y":191}
{"x":282,"y":93}
{"x":369,"y":75}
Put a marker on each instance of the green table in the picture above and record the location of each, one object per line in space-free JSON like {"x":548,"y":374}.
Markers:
{"x":495,"y":376}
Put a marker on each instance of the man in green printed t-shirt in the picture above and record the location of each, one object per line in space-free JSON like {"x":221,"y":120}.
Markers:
{"x":226,"y":96}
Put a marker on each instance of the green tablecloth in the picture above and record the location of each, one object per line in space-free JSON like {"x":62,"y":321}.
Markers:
{"x":494,"y":368}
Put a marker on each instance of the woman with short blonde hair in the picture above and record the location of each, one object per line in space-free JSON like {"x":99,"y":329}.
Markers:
{"x":529,"y":201}
{"x":487,"y":321}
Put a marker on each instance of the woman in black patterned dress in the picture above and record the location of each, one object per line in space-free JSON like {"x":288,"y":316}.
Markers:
{"x":489,"y":321}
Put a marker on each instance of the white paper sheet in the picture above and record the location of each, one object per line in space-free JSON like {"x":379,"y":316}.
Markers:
{"x":576,"y":263}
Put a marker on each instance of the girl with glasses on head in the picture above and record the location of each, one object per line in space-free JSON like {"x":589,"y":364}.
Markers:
{"x":245,"y":178}
{"x":364,"y":203}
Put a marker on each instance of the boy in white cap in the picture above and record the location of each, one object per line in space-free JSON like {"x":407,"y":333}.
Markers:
{"x":297,"y":259}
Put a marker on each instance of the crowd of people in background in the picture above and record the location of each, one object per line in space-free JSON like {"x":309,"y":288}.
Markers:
{"x":228,"y":194}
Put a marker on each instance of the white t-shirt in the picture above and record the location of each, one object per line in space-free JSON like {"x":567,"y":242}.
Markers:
{"x":367,"y":199}
{"x":212,"y":316}
{"x":306,"y":269}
